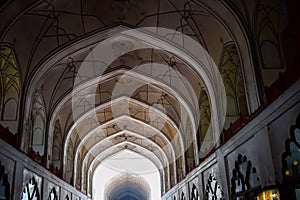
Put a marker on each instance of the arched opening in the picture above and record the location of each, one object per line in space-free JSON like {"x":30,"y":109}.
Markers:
{"x":10,"y":88}
{"x":135,"y":169}
{"x":127,"y":186}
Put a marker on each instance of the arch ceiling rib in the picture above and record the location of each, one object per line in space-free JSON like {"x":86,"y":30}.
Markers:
{"x":107,"y":104}
{"x":135,"y":109}
{"x":88,"y":91}
{"x":168,"y":143}
{"x":129,"y":135}
{"x":179,"y":71}
{"x":140,"y":103}
{"x":147,"y":133}
{"x":63,"y":105}
{"x":189,"y":15}
{"x":164,"y":160}
{"x":88,"y":135}
{"x":125,"y":145}
{"x":95,"y":81}
{"x":131,"y":147}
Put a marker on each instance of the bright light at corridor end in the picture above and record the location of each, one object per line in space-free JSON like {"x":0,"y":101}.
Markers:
{"x":126,"y":162}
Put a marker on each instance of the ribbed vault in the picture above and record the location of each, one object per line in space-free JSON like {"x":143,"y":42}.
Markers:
{"x":145,"y":101}
{"x":106,"y":87}
{"x":168,"y":82}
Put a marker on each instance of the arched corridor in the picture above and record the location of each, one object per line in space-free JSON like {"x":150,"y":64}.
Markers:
{"x":149,"y":100}
{"x":131,"y":187}
{"x":136,"y":175}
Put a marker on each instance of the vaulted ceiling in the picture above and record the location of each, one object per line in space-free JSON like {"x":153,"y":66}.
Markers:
{"x":108,"y":88}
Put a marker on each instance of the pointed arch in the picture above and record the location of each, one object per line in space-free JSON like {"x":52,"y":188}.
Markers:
{"x":90,"y":183}
{"x":204,"y":128}
{"x":57,"y":144}
{"x":270,"y":21}
{"x":190,"y":154}
{"x":84,"y":175}
{"x":69,"y":164}
{"x":38,"y":124}
{"x":78,"y":172}
{"x":10,"y":88}
{"x":231,"y":72}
